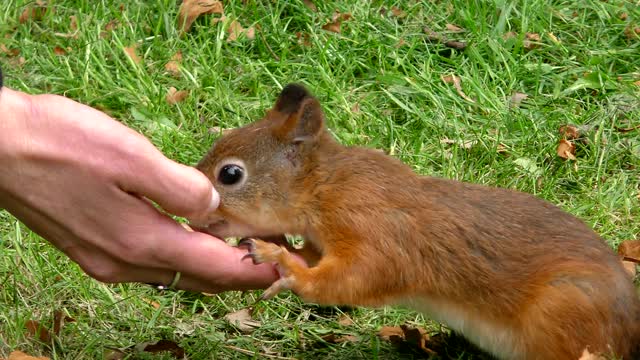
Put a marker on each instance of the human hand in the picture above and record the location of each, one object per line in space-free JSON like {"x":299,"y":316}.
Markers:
{"x":81,"y":180}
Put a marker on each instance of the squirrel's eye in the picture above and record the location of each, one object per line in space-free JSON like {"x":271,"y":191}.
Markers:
{"x":230,"y":174}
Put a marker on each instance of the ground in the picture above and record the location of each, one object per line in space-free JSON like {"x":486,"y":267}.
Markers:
{"x":386,"y":78}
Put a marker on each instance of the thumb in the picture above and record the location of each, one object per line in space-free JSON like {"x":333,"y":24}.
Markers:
{"x":179,"y":189}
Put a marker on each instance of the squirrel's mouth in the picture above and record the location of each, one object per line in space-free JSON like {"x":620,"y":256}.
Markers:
{"x":215,"y":229}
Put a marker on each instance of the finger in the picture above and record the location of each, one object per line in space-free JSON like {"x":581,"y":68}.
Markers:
{"x":179,"y":189}
{"x":220,"y":265}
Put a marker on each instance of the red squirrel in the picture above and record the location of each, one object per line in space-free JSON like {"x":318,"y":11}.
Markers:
{"x":514,"y":274}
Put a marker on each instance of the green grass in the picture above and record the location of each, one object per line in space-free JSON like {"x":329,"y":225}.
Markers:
{"x":404,"y":108}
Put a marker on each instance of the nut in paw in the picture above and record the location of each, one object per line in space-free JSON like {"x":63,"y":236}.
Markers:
{"x":261,"y":251}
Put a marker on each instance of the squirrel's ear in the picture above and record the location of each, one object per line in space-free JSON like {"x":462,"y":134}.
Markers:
{"x":302,"y":112}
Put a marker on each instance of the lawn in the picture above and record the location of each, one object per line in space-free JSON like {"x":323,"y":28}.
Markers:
{"x":390,"y":76}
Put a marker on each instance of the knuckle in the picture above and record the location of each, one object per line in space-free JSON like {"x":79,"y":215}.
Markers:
{"x":105,"y":272}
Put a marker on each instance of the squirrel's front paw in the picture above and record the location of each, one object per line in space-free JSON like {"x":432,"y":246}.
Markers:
{"x":261,"y":251}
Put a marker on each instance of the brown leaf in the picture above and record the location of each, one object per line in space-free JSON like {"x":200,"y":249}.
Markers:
{"x":333,"y":26}
{"x":154,"y":304}
{"x":627,"y":129}
{"x":390,"y":332}
{"x":355,"y":108}
{"x":303,"y":38}
{"x":397,"y":12}
{"x":517,"y":98}
{"x":336,"y":22}
{"x":453,"y":28}
{"x":114,"y":354}
{"x":59,"y":51}
{"x":630,"y":250}
{"x":632,"y":32}
{"x":235,"y":30}
{"x":131,"y":53}
{"x":457,"y":83}
{"x":310,"y":5}
{"x":174,"y":96}
{"x":242,"y":320}
{"x":509,"y":35}
{"x":59,"y":318}
{"x":19,"y":355}
{"x":624,"y":16}
{"x":74,"y":23}
{"x":464,"y":144}
{"x":250,"y":33}
{"x":569,"y":132}
{"x":416,"y":335}
{"x":190,"y":10}
{"x":345,"y":320}
{"x":9,"y":52}
{"x":566,"y":149}
{"x":33,"y":12}
{"x":35,"y":329}
{"x":161,"y":346}
{"x":173,"y":66}
{"x":532,"y":41}
{"x":337,"y":339}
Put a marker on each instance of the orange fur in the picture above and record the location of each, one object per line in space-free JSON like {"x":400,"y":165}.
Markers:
{"x":515,"y":274}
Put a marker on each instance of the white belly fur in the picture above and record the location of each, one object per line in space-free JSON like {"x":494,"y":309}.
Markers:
{"x":491,"y":337}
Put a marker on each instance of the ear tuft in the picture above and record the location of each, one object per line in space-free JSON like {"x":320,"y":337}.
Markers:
{"x":291,"y":98}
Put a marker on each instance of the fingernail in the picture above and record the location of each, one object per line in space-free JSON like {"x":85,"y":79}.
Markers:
{"x":215,"y":200}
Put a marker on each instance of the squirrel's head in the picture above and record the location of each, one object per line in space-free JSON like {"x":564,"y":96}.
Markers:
{"x":255,"y":167}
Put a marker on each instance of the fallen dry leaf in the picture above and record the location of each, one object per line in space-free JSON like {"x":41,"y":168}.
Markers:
{"x":509,"y":35}
{"x":632,"y":32}
{"x":303,"y":38}
{"x":309,"y":4}
{"x":397,"y":12}
{"x":235,"y":30}
{"x":59,"y":319}
{"x":404,"y":333}
{"x":19,"y":355}
{"x":174,"y":96}
{"x":531,"y":41}
{"x":131,"y":53}
{"x":337,"y":339}
{"x":566,"y":149}
{"x":435,"y":37}
{"x":569,"y":132}
{"x":161,"y":346}
{"x":630,"y":250}
{"x":9,"y":52}
{"x":59,"y":51}
{"x":34,"y":11}
{"x":242,"y":320}
{"x":624,"y":16}
{"x":35,"y":329}
{"x":190,"y":10}
{"x":336,"y":22}
{"x":345,"y":320}
{"x":457,"y":83}
{"x":389,"y":332}
{"x":173,"y":66}
{"x":152,"y":303}
{"x":517,"y":98}
{"x":453,"y":28}
{"x":465,"y":144}
{"x":250,"y":33}
{"x":114,"y":354}
{"x":355,"y":108}
{"x":627,"y":129}
{"x":73,"y":25}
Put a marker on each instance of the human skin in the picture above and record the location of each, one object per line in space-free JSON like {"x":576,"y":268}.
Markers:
{"x":86,"y":183}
